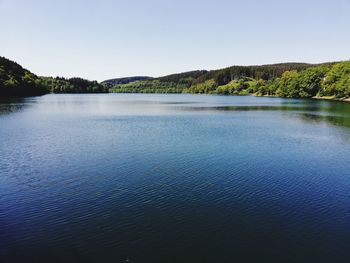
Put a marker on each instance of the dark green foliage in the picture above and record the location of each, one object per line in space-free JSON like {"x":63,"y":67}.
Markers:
{"x":265,"y":72}
{"x":16,"y":81}
{"x":337,"y":81}
{"x":72,"y":85}
{"x":294,"y":80}
{"x":304,"y":84}
{"x":176,"y":83}
{"x":207,"y":87}
{"x":324,"y":80}
{"x":185,"y":78}
{"x":202,"y":81}
{"x":150,"y":86}
{"x":112,"y":82}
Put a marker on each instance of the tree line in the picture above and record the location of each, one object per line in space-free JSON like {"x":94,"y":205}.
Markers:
{"x":294,"y":80}
{"x":72,"y":85}
{"x":15,"y":81}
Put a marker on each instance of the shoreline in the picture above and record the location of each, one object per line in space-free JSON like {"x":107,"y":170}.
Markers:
{"x":331,"y":98}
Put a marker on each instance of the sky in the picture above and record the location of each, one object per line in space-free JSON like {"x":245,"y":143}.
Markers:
{"x":105,"y":39}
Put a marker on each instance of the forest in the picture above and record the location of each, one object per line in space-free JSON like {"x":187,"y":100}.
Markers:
{"x":112,"y":82}
{"x":15,"y":81}
{"x":72,"y":85}
{"x":292,"y":80}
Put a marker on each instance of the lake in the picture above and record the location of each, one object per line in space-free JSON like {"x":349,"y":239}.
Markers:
{"x":174,"y":178}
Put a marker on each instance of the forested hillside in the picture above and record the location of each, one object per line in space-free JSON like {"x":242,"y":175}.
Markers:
{"x":294,"y":80}
{"x":111,"y":82}
{"x":17,"y":81}
{"x":72,"y":85}
{"x":175,"y":83}
{"x":206,"y":81}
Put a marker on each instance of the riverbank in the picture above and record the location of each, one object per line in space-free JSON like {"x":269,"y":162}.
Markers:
{"x":331,"y":98}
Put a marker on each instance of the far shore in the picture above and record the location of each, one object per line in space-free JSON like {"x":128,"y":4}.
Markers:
{"x":314,"y":98}
{"x":331,"y":98}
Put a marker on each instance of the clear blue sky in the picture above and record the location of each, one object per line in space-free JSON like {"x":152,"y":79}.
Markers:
{"x":106,"y":39}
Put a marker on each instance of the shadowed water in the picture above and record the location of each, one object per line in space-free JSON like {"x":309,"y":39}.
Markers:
{"x":174,"y":178}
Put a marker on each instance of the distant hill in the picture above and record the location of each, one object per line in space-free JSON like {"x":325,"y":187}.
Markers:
{"x":183,"y":76}
{"x":112,"y":82}
{"x":265,"y":72}
{"x":174,"y":83}
{"x":294,"y":80}
{"x":182,"y":82}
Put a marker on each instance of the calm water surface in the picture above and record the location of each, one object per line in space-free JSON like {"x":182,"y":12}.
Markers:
{"x":174,"y":178}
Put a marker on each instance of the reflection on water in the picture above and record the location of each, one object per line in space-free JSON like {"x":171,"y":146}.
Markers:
{"x":174,"y":178}
{"x":9,"y":105}
{"x":343,"y":121}
{"x":332,"y":112}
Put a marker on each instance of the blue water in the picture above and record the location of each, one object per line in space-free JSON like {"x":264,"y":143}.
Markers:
{"x":174,"y":178}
